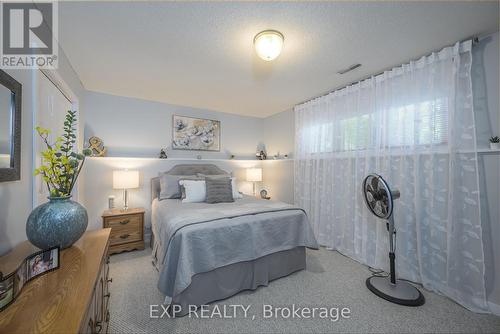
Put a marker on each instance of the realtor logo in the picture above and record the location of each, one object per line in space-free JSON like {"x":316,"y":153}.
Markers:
{"x":29,"y":35}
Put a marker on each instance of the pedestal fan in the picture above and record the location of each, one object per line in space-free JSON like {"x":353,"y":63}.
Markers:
{"x":379,"y":200}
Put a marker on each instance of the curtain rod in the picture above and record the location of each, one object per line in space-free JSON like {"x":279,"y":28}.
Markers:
{"x":474,"y":39}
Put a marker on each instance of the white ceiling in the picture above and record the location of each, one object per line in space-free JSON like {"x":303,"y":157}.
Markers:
{"x":201,"y":54}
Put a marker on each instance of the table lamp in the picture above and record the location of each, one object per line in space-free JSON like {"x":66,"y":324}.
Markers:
{"x":125,"y":179}
{"x":254,"y":175}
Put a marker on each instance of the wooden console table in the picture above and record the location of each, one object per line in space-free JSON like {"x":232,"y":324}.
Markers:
{"x":71,"y":299}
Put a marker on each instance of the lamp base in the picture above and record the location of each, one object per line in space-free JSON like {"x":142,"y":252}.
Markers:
{"x":402,"y":293}
{"x":125,"y":200}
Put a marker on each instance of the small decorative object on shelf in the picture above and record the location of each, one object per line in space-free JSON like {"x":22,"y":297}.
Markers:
{"x":263,"y":194}
{"x":61,"y":221}
{"x":31,"y":267}
{"x":198,"y":157}
{"x":163,"y":154}
{"x":285,"y":156}
{"x":495,"y":143}
{"x":97,"y":147}
{"x":261,"y":152}
{"x":230,"y":156}
{"x":261,"y":155}
{"x":111,"y":202}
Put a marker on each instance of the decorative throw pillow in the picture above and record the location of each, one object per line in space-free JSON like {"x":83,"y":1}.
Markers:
{"x":169,"y":185}
{"x":218,"y":190}
{"x":236,"y":193}
{"x":194,"y":191}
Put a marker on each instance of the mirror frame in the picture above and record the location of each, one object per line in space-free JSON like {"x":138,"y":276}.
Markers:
{"x":13,"y":173}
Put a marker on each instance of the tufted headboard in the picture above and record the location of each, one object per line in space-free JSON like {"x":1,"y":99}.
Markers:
{"x":185,"y":169}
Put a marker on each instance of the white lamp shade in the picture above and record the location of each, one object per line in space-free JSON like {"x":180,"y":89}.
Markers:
{"x":254,"y":174}
{"x":125,"y":179}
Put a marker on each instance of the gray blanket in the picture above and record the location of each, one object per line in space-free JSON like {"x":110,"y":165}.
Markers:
{"x":193,"y":238}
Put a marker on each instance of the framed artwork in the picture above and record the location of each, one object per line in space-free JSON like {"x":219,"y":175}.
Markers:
{"x":196,"y":134}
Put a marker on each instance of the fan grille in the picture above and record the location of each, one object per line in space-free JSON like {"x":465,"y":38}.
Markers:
{"x":378,"y":197}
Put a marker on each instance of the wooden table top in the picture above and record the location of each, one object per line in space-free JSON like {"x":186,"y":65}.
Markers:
{"x":55,"y":302}
{"x":119,"y":212}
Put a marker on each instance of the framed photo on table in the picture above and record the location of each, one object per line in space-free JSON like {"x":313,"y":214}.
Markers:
{"x":32,"y":266}
{"x":42,"y":262}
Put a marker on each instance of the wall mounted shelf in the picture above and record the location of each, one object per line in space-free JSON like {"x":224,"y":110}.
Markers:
{"x":186,"y":159}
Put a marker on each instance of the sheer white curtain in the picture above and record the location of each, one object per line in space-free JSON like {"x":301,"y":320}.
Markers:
{"x":414,"y":125}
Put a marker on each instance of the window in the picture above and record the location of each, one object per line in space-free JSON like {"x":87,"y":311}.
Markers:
{"x":417,"y":124}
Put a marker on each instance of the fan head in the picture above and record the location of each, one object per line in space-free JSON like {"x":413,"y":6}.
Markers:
{"x":378,"y":196}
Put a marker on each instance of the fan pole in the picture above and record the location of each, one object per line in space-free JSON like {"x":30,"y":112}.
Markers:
{"x":392,"y":250}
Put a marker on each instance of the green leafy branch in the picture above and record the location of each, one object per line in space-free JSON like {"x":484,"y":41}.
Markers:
{"x":61,"y":165}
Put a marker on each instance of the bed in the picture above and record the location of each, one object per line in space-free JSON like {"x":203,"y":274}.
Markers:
{"x":208,"y":252}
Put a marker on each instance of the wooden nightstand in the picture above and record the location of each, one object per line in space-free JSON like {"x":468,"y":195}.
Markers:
{"x":127,"y":229}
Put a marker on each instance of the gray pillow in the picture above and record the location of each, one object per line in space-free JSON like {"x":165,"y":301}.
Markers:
{"x":169,"y":185}
{"x":219,"y":190}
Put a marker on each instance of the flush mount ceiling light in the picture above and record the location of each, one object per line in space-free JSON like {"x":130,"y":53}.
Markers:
{"x":268,"y":44}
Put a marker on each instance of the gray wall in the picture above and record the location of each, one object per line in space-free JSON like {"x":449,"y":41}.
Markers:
{"x":134,"y":130}
{"x":16,"y":197}
{"x":279,"y":130}
{"x":141,"y":128}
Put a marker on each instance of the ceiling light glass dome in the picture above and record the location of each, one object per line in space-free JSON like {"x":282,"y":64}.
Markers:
{"x":268,"y":44}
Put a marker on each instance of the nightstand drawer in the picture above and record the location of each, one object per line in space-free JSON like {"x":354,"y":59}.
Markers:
{"x":124,"y":235}
{"x":124,"y":222}
{"x":124,"y":229}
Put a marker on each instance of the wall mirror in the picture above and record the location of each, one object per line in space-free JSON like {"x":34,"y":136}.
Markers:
{"x":10,"y":128}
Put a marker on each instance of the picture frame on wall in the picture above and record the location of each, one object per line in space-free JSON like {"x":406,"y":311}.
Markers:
{"x":195,"y":134}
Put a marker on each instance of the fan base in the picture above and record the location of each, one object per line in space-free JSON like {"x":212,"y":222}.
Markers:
{"x":402,"y":292}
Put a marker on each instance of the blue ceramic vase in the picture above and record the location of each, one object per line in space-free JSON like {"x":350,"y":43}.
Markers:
{"x":59,"y":222}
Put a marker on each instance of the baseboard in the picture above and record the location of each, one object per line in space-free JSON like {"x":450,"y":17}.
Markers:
{"x":494,"y":308}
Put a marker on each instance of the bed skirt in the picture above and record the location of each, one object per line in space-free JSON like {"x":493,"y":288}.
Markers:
{"x":227,"y":281}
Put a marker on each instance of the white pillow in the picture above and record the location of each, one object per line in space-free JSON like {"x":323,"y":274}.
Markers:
{"x":236,"y":193}
{"x":195,"y":191}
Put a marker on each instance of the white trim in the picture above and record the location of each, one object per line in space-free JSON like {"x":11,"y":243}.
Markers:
{"x":185,"y":159}
{"x":60,"y":84}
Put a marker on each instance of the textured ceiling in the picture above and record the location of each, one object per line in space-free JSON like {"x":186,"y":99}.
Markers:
{"x":201,"y":54}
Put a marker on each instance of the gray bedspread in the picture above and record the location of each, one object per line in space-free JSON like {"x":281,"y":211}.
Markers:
{"x":193,"y":238}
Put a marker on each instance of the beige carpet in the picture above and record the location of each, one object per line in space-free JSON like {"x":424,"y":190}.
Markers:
{"x":331,"y":280}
